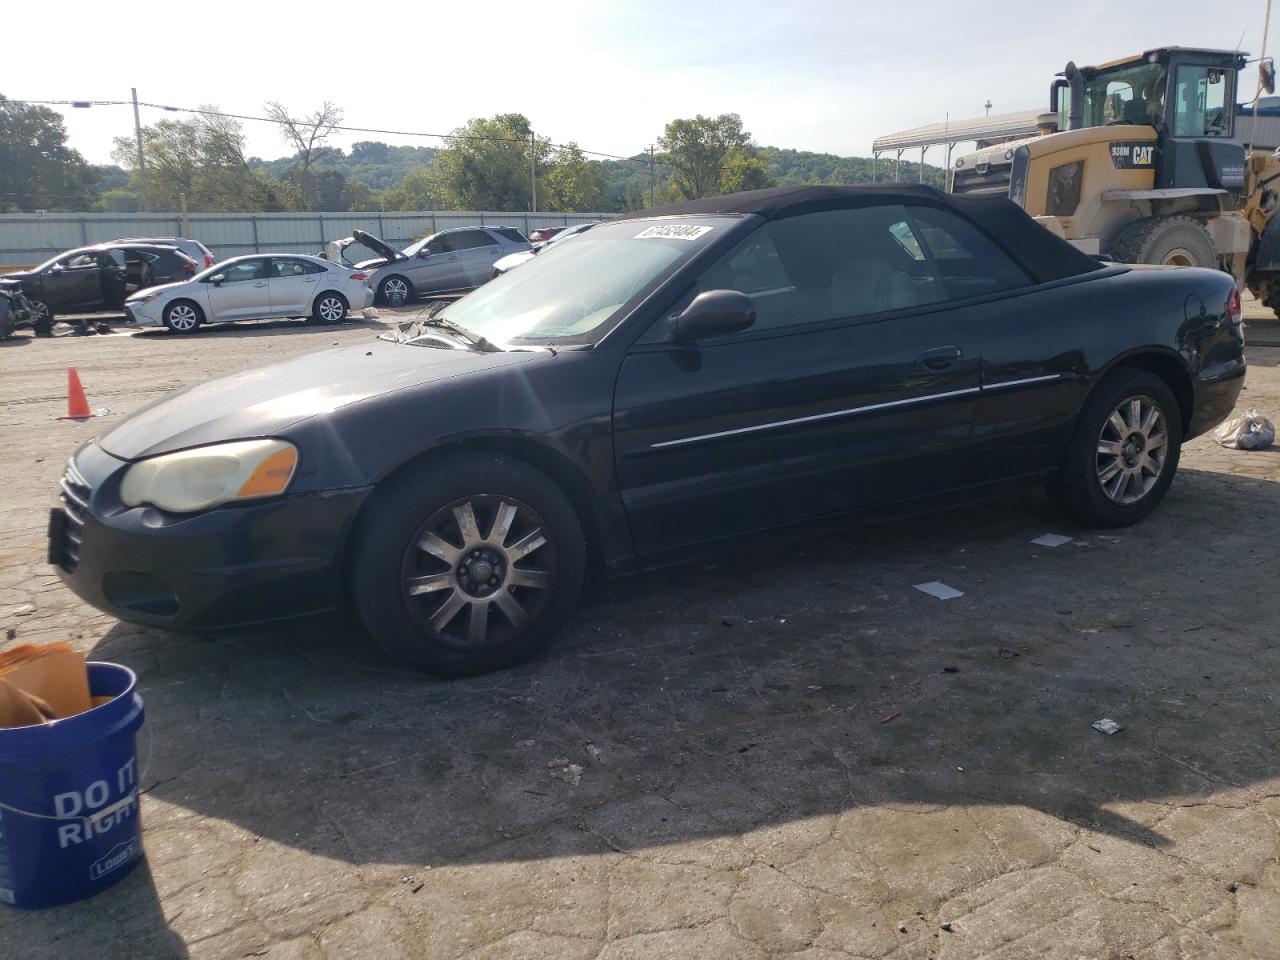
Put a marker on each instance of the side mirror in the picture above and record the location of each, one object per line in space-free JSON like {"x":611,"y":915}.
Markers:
{"x":56,"y":268}
{"x":714,"y":313}
{"x":217,"y":279}
{"x":424,"y":254}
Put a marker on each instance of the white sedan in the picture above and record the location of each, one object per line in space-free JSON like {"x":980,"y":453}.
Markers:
{"x":254,"y":288}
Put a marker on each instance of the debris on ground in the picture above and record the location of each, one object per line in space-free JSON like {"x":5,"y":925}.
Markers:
{"x":594,"y":752}
{"x":1249,"y":432}
{"x":936,"y":588}
{"x":889,"y":716}
{"x":1107,"y":726}
{"x":1052,"y":540}
{"x":1004,"y":653}
{"x":26,"y":610}
{"x":566,"y":772}
{"x":950,"y":669}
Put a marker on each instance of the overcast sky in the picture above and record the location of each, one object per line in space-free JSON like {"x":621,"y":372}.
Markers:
{"x":809,"y":74}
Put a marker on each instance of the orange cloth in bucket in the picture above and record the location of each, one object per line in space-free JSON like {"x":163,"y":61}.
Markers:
{"x":47,"y":679}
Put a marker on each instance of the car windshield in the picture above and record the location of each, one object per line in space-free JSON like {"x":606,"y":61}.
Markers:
{"x":573,"y":292}
{"x":412,"y":249}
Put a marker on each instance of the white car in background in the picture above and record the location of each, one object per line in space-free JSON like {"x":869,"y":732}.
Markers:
{"x":513,"y":260}
{"x":255,"y":287}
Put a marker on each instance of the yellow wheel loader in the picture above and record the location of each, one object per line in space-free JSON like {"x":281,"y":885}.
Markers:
{"x":1138,"y":160}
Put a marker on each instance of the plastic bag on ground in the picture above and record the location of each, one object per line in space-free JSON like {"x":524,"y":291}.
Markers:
{"x":1250,"y":432}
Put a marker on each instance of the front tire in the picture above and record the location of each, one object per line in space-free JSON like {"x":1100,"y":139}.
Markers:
{"x":329,"y":307}
{"x":1124,"y":451}
{"x":183,"y":316}
{"x":395,"y":291}
{"x":1170,"y":241}
{"x":41,"y":318}
{"x":467,"y":565}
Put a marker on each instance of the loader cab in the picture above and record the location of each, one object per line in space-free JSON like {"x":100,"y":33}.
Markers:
{"x":1187,"y":94}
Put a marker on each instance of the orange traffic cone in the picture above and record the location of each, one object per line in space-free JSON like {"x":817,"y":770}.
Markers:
{"x":77,"y":404}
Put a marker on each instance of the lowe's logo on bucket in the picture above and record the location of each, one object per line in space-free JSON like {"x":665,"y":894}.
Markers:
{"x":119,"y":855}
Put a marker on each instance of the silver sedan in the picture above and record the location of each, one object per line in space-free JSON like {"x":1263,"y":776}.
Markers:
{"x":254,"y":288}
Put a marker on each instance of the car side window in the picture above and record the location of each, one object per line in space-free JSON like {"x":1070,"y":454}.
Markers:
{"x":284,"y":267}
{"x":830,"y":265}
{"x":469,"y":239}
{"x":440,"y":244}
{"x":967,"y":261}
{"x":245,"y":270}
{"x":80,"y":261}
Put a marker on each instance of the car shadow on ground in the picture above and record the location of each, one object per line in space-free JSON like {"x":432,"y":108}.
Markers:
{"x":254,"y":328}
{"x":702,"y":702}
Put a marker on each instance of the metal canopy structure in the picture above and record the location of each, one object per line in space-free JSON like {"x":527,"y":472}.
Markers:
{"x":1001,"y":126}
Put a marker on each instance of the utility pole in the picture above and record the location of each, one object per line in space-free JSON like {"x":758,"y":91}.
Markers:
{"x":142,"y":163}
{"x":988,"y":106}
{"x":533,"y":175}
{"x":651,"y":175}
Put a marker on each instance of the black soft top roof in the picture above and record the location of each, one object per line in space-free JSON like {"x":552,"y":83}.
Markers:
{"x":1042,"y":254}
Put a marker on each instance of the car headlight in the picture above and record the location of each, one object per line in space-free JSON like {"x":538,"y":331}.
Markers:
{"x":144,"y":297}
{"x":205,"y":477}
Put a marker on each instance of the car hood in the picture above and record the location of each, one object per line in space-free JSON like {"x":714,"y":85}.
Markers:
{"x":158,"y":288}
{"x":264,"y":401}
{"x":18,"y":275}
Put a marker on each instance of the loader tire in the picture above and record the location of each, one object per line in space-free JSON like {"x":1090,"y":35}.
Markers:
{"x":1269,"y":293}
{"x":1170,"y":241}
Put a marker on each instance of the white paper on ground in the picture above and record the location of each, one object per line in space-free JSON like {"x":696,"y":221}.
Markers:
{"x":939,"y":590}
{"x":1052,"y":540}
{"x":1106,"y":725}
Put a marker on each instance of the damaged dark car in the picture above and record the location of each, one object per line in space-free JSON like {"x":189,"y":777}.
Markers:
{"x":669,"y":386}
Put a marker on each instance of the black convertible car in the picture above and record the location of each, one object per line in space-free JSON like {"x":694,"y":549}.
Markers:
{"x":663,"y":386}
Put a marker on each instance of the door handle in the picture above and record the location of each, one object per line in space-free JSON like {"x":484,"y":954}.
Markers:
{"x":939,"y":358}
{"x":259,"y":284}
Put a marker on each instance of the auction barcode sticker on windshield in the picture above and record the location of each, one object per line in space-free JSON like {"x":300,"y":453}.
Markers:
{"x":672,"y":231}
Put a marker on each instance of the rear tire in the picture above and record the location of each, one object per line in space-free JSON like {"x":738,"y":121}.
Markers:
{"x":1174,"y":241}
{"x":329,"y":307}
{"x":183,"y":316}
{"x":395,"y":291}
{"x":1117,"y":471}
{"x":1270,"y":293}
{"x":434,"y":574}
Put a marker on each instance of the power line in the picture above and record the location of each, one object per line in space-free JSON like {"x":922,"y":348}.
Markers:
{"x":346,"y":129}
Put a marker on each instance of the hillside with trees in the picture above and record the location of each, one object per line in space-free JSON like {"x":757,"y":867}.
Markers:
{"x":484,"y":165}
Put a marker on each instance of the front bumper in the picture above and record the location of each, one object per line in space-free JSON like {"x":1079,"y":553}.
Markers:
{"x":143,"y":314}
{"x":227,"y":567}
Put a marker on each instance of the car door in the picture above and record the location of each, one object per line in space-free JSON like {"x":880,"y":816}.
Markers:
{"x":293,"y":285}
{"x":73,"y":283}
{"x":854,"y":387}
{"x":435,"y":267}
{"x":243,"y":292}
{"x":1031,"y":359}
{"x":478,"y":251}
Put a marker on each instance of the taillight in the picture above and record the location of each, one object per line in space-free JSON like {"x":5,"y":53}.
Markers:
{"x":1234,"y":309}
{"x":189,"y":268}
{"x":359,"y":276}
{"x":209,"y":261}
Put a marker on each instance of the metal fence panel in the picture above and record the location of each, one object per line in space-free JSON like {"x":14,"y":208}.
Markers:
{"x":28,"y":239}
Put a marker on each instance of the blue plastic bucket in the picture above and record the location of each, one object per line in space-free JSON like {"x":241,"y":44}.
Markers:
{"x":69,"y":823}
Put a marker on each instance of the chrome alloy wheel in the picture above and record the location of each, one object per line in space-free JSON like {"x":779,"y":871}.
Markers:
{"x":395,"y":291}
{"x":331,"y":309}
{"x":474,"y":589}
{"x":183,"y":317}
{"x":1132,"y":450}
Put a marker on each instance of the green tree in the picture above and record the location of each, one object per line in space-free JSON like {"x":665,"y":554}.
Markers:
{"x":744,"y":170}
{"x":487,"y":166}
{"x":38,"y":171}
{"x":202,"y":158}
{"x":119,"y":200}
{"x":417,"y":191}
{"x":573,"y":183}
{"x":697,"y":150}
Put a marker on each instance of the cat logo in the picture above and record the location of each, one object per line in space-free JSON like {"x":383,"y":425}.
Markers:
{"x":1130,"y":154}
